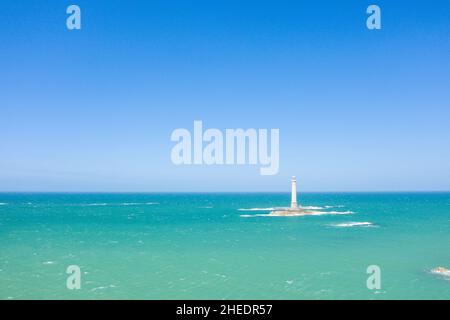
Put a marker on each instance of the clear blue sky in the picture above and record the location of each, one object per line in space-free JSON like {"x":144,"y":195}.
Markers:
{"x":93,"y":110}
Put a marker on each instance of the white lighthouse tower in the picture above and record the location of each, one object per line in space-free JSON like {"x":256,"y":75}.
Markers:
{"x":294,"y":193}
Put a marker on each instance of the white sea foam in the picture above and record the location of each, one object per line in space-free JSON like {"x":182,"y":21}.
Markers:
{"x":137,"y":203}
{"x":103,"y":287}
{"x":254,"y":215}
{"x":287,"y":208}
{"x":296,"y":214}
{"x":311,"y":213}
{"x":319,"y":213}
{"x":353,"y":224}
{"x":120,"y":204}
{"x":441,"y":271}
{"x":260,"y":209}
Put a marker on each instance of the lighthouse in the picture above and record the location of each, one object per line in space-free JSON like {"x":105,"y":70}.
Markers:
{"x":293,"y":193}
{"x":295,"y":210}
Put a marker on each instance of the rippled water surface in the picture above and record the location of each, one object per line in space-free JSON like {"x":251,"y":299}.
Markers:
{"x":223,"y":246}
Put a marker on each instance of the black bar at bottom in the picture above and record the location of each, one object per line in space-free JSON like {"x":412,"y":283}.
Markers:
{"x":226,"y":309}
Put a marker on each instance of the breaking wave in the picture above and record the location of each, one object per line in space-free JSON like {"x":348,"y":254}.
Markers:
{"x":319,"y":213}
{"x":286,"y":208}
{"x":441,"y":271}
{"x":254,"y":215}
{"x":294,"y":214}
{"x":259,"y":209}
{"x":120,"y":204}
{"x":353,"y":224}
{"x":137,"y":203}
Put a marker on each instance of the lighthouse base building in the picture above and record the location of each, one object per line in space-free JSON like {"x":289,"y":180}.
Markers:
{"x":294,"y":209}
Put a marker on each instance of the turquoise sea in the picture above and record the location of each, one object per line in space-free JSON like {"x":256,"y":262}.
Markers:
{"x":205,"y":246}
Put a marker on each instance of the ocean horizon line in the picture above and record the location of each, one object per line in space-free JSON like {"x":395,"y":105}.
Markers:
{"x":232,"y":192}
